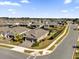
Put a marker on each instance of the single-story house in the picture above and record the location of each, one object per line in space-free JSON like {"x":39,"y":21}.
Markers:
{"x":36,"y":35}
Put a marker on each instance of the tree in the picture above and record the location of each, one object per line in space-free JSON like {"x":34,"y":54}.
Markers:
{"x":18,"y":38}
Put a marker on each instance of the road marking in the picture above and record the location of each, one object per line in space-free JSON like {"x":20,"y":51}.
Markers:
{"x":31,"y":56}
{"x":28,"y":57}
{"x":34,"y":57}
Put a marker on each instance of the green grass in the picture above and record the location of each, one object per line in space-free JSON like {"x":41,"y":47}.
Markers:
{"x":77,"y":43}
{"x":5,"y":46}
{"x":52,"y":47}
{"x":43,"y":44}
{"x":76,"y":56}
{"x":14,"y":42}
{"x":27,"y":51}
{"x":40,"y":52}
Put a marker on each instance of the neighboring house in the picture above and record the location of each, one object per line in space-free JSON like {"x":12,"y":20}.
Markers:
{"x":50,"y":24}
{"x":8,"y":35}
{"x":35,"y":35}
{"x":24,"y":24}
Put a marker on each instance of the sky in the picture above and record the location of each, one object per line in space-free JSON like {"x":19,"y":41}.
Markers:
{"x":40,"y":8}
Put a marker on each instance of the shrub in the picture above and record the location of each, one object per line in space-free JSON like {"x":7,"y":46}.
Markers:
{"x":35,"y":44}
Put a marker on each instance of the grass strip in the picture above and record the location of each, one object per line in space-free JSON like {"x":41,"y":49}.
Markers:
{"x":5,"y":46}
{"x":27,"y":51}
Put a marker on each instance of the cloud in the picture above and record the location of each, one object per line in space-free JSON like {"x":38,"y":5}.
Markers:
{"x":64,"y":11}
{"x":67,"y":1}
{"x":72,"y":10}
{"x":24,"y":1}
{"x":77,"y":7}
{"x":8,"y":3}
{"x":12,"y":11}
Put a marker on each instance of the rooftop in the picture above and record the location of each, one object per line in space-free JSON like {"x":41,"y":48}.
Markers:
{"x":36,"y":33}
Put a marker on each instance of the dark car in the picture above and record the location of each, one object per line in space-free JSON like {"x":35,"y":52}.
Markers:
{"x":75,"y":46}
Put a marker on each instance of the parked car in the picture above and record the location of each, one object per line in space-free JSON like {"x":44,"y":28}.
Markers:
{"x":75,"y":46}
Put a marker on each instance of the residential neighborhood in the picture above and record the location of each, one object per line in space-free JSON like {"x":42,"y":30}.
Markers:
{"x":39,"y":29}
{"x":34,"y":37}
{"x":35,"y":32}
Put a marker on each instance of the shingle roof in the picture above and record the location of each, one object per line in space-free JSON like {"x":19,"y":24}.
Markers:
{"x":36,"y":33}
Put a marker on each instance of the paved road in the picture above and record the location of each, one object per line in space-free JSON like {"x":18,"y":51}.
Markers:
{"x":63,"y":51}
{"x":7,"y":54}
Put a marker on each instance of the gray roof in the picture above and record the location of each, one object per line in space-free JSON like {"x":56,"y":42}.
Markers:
{"x":19,"y":29}
{"x":13,"y":30}
{"x":36,"y":33}
{"x":52,"y":23}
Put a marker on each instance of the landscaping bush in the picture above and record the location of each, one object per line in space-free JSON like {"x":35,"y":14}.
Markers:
{"x":77,"y":57}
{"x":35,"y":44}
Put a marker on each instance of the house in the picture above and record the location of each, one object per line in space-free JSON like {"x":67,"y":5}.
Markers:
{"x":50,"y":24}
{"x":35,"y":35}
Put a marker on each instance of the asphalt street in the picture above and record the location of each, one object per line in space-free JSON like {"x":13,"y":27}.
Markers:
{"x":63,"y":51}
{"x":8,"y":54}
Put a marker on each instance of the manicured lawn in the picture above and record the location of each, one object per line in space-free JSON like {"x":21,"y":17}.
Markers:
{"x":5,"y":46}
{"x":40,"y":52}
{"x":43,"y":44}
{"x":27,"y":51}
{"x":14,"y":42}
{"x":52,"y":47}
{"x":77,"y":43}
{"x":76,"y":56}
